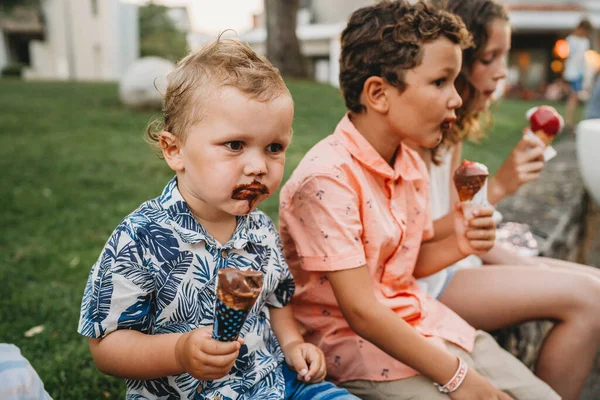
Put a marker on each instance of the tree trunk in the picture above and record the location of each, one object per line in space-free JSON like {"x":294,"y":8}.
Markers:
{"x":283,"y":47}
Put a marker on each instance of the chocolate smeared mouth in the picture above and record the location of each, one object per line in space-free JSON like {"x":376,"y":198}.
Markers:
{"x":249,"y":192}
{"x":446,"y":126}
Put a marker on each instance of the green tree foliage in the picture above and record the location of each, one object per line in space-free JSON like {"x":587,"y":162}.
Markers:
{"x":158,"y":34}
{"x":7,"y":5}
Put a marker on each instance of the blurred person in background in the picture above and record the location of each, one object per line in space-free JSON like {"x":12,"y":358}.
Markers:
{"x":579,"y":43}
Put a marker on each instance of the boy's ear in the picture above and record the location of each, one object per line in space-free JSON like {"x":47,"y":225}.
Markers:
{"x":374,"y":94}
{"x":171,"y":150}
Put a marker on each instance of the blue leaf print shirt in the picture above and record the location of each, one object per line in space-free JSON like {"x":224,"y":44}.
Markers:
{"x":157,"y":273}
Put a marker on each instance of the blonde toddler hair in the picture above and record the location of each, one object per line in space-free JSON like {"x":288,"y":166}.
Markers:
{"x":225,"y":62}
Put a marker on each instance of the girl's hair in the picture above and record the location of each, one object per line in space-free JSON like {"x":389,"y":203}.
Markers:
{"x":199,"y":75}
{"x":386,"y":40}
{"x":477,"y":16}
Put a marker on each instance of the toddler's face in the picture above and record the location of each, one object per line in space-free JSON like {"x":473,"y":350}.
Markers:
{"x":234,"y":157}
{"x":426,"y":108}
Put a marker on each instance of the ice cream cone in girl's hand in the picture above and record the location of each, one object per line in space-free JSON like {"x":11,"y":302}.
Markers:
{"x":545,"y":123}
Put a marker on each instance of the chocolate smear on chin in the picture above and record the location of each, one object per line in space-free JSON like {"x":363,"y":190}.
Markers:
{"x":249,"y":192}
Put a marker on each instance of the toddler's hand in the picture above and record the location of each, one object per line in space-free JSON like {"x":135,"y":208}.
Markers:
{"x":476,"y":235}
{"x":307,"y":359}
{"x":203,"y":357}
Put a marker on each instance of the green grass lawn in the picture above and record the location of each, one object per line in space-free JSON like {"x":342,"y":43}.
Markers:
{"x":73,"y":165}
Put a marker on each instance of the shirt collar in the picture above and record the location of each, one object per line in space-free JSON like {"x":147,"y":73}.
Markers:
{"x":190,"y":231}
{"x":404,"y":165}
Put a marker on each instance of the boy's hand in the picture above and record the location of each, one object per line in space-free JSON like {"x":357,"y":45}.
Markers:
{"x":524,"y":164}
{"x":307,"y":359}
{"x":476,"y":235}
{"x":203,"y":357}
{"x":476,"y":387}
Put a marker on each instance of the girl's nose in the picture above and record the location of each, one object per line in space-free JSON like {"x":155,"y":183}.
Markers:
{"x":502,"y":71}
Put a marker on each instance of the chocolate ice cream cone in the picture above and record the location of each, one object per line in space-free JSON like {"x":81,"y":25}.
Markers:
{"x":469,"y":178}
{"x":237,"y":292}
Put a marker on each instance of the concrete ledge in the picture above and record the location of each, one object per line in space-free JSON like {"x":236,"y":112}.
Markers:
{"x":555,"y":207}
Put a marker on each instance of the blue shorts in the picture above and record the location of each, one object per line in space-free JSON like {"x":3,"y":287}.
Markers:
{"x":298,"y":390}
{"x":576,"y":84}
{"x":450,"y":273}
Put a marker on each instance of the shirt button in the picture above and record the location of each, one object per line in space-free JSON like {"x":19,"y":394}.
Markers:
{"x":224,"y":253}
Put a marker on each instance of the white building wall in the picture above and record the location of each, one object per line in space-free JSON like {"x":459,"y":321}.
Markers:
{"x":3,"y":52}
{"x":335,"y":51}
{"x":49,"y":59}
{"x":81,"y":45}
{"x":128,"y":36}
{"x":335,"y":11}
{"x":321,"y":38}
{"x":94,"y":45}
{"x":87,"y":47}
{"x":551,"y":20}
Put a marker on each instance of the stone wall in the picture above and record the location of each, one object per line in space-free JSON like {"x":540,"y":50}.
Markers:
{"x":555,"y":207}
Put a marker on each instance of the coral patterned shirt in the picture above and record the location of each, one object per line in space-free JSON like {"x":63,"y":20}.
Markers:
{"x":345,"y":207}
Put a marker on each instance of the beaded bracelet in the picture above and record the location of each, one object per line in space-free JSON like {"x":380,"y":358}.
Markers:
{"x":455,"y":382}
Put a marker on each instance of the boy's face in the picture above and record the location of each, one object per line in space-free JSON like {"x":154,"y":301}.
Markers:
{"x":427,"y":106}
{"x":234,"y":157}
{"x":490,"y":68}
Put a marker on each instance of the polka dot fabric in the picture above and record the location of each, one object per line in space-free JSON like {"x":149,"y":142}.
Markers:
{"x":228,"y":322}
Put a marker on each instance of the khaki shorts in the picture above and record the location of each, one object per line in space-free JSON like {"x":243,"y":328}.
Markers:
{"x":501,"y":368}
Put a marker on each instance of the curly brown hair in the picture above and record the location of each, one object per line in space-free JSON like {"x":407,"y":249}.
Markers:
{"x":477,"y":16}
{"x":224,"y":62}
{"x":386,"y":40}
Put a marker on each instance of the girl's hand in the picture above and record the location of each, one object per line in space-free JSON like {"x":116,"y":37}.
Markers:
{"x":523,"y":165}
{"x":203,"y":357}
{"x":476,"y":235}
{"x":307,"y":359}
{"x":476,"y":387}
